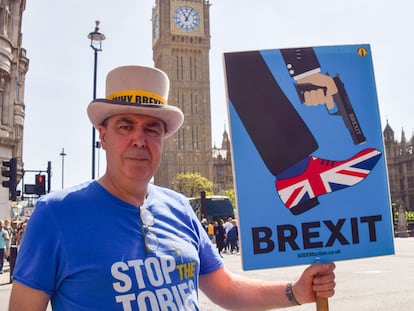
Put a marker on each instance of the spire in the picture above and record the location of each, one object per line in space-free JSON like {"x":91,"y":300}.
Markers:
{"x":225,"y":144}
{"x":403,"y":136}
{"x":388,"y":133}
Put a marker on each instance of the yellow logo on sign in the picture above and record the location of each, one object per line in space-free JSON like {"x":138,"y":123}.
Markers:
{"x":362,"y":52}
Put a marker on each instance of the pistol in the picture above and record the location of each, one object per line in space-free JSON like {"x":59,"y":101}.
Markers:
{"x":344,"y":108}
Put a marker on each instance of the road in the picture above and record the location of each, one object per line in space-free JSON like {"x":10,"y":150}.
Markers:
{"x":372,"y":284}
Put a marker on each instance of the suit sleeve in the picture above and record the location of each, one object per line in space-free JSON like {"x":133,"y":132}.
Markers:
{"x":300,"y":61}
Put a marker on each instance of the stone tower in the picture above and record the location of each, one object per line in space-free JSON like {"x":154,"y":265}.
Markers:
{"x":181,"y":44}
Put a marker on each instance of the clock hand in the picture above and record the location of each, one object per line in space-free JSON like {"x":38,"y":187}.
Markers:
{"x":187,"y":16}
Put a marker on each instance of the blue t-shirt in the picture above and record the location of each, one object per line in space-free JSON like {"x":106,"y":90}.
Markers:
{"x":84,"y":247}
{"x":3,"y":241}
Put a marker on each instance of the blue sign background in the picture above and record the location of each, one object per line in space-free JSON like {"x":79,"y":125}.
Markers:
{"x":257,"y":199}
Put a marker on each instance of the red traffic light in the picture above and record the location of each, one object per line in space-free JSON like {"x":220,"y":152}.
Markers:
{"x":40,"y":187}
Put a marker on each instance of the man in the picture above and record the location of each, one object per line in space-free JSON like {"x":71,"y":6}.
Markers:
{"x":4,"y":238}
{"x":121,"y":243}
{"x":227,"y":226}
{"x":8,"y":228}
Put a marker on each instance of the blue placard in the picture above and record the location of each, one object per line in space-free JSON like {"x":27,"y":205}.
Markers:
{"x":311,"y":182}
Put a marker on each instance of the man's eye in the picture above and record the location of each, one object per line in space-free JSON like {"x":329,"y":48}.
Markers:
{"x":153,"y":131}
{"x":125,"y":127}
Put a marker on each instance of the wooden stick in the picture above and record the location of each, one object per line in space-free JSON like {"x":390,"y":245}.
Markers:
{"x":322,"y":304}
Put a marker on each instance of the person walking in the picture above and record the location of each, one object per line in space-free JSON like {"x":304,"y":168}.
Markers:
{"x":220,"y":235}
{"x":4,"y":238}
{"x":233,"y":237}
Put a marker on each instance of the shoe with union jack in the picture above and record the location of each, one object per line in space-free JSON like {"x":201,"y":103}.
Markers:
{"x":300,"y":193}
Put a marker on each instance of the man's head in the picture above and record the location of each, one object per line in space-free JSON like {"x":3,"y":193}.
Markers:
{"x":136,"y":90}
{"x":133,"y":120}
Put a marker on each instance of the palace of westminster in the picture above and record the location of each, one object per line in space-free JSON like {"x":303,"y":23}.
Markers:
{"x":180,"y":44}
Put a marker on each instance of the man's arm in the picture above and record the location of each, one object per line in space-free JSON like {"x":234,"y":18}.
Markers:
{"x":237,"y":292}
{"x":26,"y":298}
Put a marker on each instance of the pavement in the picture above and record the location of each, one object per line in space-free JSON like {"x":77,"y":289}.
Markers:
{"x":384,"y":283}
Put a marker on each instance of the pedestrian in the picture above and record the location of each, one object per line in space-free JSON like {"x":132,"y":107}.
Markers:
{"x":123,"y":243}
{"x":15,"y":227}
{"x":210,"y":231}
{"x":204,"y":223}
{"x":227,"y":226}
{"x":20,"y":233}
{"x":233,"y":237}
{"x":9,"y":230}
{"x":4,"y":238}
{"x":220,"y":235}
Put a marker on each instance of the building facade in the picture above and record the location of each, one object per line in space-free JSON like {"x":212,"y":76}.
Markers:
{"x":181,"y":44}
{"x":400,"y":164}
{"x":222,"y":166}
{"x":13,"y":68}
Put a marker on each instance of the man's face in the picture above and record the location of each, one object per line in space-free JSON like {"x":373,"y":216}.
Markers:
{"x":133,"y":145}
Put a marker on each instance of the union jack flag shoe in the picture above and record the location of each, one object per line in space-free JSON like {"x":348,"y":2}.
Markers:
{"x":301,"y":192}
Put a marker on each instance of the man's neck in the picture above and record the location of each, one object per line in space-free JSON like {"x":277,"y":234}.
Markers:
{"x":133,"y":193}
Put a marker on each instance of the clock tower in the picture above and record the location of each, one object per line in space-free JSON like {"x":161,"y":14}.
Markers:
{"x":181,"y":44}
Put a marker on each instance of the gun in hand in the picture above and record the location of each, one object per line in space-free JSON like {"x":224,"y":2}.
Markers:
{"x":344,"y":107}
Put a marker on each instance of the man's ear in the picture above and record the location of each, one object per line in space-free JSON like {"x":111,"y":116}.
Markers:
{"x":102,"y":133}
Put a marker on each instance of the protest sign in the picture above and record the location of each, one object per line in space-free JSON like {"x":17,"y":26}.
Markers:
{"x":308,"y":155}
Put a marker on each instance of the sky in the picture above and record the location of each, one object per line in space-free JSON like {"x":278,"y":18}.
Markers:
{"x":59,"y":83}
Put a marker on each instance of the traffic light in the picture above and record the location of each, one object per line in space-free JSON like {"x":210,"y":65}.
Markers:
{"x":40,"y":186}
{"x":10,"y":171}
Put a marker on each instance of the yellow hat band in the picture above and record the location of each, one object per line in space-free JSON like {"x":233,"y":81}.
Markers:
{"x":138,"y":97}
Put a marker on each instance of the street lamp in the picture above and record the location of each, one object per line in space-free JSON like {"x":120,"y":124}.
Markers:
{"x":96,"y":44}
{"x":63,"y":154}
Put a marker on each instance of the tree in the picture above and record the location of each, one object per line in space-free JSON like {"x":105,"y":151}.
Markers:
{"x":191,"y":184}
{"x":232,"y":196}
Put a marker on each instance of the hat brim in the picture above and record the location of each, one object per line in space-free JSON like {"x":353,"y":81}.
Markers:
{"x":101,"y":109}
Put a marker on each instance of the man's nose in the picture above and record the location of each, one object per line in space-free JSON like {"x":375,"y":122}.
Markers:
{"x":139,"y":138}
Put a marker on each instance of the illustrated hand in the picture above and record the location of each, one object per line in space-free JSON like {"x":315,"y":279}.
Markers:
{"x":318,"y":96}
{"x":316,"y":280}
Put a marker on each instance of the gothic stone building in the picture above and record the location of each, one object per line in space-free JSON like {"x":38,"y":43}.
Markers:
{"x":13,"y":68}
{"x":222,"y":166}
{"x":400,"y":164}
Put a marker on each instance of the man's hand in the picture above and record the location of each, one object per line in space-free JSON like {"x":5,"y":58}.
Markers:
{"x":316,"y":280}
{"x":318,"y":96}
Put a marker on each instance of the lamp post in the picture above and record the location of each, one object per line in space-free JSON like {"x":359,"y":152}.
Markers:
{"x":96,"y":44}
{"x":98,"y":146}
{"x":63,"y":154}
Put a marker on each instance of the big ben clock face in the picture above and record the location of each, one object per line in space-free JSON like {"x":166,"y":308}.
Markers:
{"x":187,"y":18}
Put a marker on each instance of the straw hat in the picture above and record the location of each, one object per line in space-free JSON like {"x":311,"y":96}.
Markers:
{"x":139,"y":90}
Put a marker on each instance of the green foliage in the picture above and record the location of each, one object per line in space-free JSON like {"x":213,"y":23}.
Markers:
{"x":232,"y":196}
{"x":409,"y":215}
{"x":191,"y":184}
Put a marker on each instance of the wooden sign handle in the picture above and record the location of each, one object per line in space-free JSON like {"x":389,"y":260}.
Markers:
{"x":322,"y":304}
